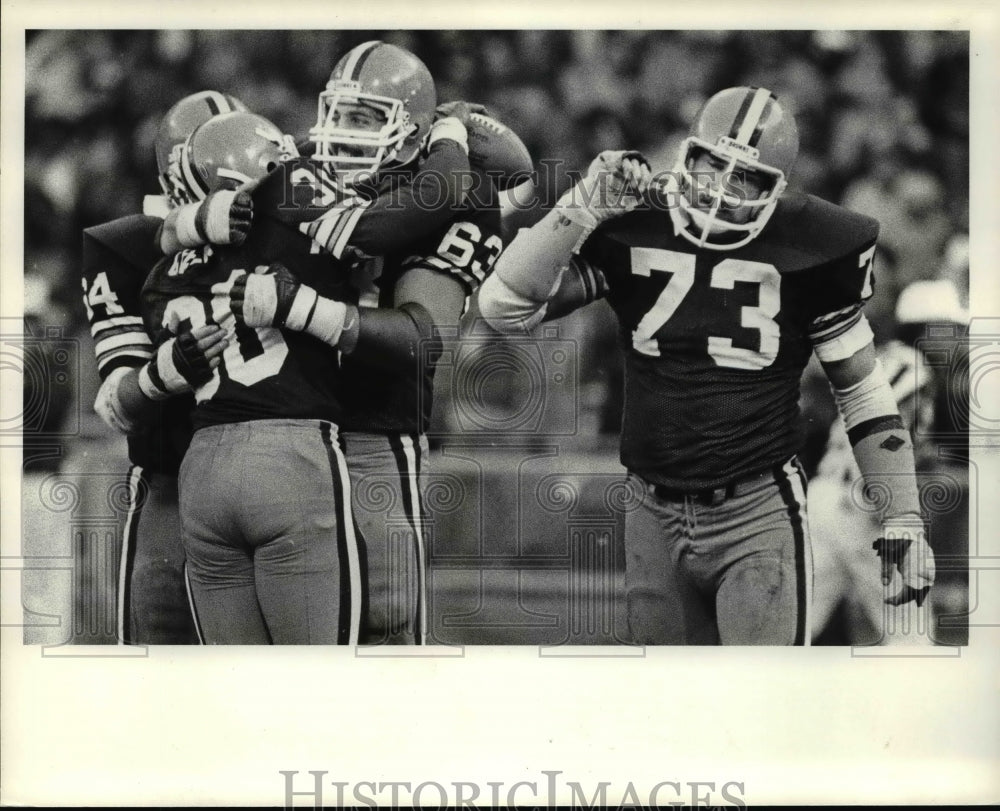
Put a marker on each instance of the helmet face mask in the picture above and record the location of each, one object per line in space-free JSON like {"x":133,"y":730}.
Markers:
{"x":396,"y":90}
{"x":732,"y":170}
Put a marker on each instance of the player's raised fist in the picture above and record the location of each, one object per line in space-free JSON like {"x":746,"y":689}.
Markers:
{"x":613,"y":185}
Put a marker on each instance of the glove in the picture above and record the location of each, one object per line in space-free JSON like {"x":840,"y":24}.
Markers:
{"x":451,"y":127}
{"x":904,"y":546}
{"x":184,"y":363}
{"x":460,"y":110}
{"x":273,"y":297}
{"x":267,"y":298}
{"x":614,"y":185}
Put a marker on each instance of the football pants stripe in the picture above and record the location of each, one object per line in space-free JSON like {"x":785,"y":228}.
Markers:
{"x":358,"y":57}
{"x":792,"y":489}
{"x":347,"y":544}
{"x":192,"y":606}
{"x":406,"y":449}
{"x":752,"y":120}
{"x":138,"y":484}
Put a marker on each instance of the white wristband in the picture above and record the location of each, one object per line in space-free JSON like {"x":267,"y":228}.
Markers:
{"x":185,"y":228}
{"x":217,"y":216}
{"x":302,"y":306}
{"x":327,"y":322}
{"x":148,"y":387}
{"x":571,"y":207}
{"x":452,"y":129}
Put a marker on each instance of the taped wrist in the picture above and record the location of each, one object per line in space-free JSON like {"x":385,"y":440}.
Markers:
{"x":575,"y":206}
{"x":213,"y":217}
{"x":189,"y":230}
{"x":325,"y":319}
{"x":452,"y":129}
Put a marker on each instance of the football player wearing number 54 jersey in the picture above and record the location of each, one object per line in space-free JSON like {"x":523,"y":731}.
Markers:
{"x":724,"y":285}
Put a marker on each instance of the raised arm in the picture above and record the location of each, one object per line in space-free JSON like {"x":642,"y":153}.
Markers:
{"x":527,"y":285}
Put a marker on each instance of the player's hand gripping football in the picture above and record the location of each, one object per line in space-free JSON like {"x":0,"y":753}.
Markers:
{"x":184,"y":363}
{"x":903,"y":547}
{"x":614,"y":185}
{"x":272,"y":298}
{"x":461,"y":110}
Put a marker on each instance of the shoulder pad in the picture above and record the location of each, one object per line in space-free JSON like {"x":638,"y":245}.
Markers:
{"x":820,"y":228}
{"x":133,"y":238}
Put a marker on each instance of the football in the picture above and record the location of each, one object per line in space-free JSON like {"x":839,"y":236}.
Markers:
{"x":498,"y":150}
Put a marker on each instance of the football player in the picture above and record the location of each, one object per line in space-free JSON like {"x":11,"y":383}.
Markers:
{"x":117,"y":256}
{"x":396,"y":306}
{"x":724,"y":285}
{"x":273,"y":555}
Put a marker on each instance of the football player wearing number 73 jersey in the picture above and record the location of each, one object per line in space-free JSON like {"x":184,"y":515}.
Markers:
{"x":724,"y":285}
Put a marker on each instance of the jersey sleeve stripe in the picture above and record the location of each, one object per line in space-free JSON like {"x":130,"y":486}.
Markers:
{"x":131,"y":338}
{"x":115,"y":321}
{"x":832,"y":329}
{"x":347,"y":227}
{"x":135,"y":355}
{"x":845,"y":343}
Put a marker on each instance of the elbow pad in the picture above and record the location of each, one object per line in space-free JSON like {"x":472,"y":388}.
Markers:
{"x":508,"y":311}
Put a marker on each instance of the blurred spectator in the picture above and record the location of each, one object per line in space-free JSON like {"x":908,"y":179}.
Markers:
{"x":884,"y":119}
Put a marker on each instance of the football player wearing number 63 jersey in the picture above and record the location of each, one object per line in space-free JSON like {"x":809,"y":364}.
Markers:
{"x":724,"y":285}
{"x":273,"y":554}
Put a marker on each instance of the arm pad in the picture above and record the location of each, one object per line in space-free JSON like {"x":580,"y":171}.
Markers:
{"x":881,"y":444}
{"x":403,"y":339}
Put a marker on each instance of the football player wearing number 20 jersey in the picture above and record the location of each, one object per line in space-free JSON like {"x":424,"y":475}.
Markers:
{"x":273,"y":553}
{"x":724,"y":285}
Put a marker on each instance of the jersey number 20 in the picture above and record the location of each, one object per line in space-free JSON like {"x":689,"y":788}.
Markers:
{"x":253,"y":354}
{"x":725,"y":274}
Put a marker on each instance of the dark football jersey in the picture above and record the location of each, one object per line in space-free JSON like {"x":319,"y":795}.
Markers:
{"x":265,"y":373}
{"x":117,"y":258}
{"x":716,"y":341}
{"x":465,"y":249}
